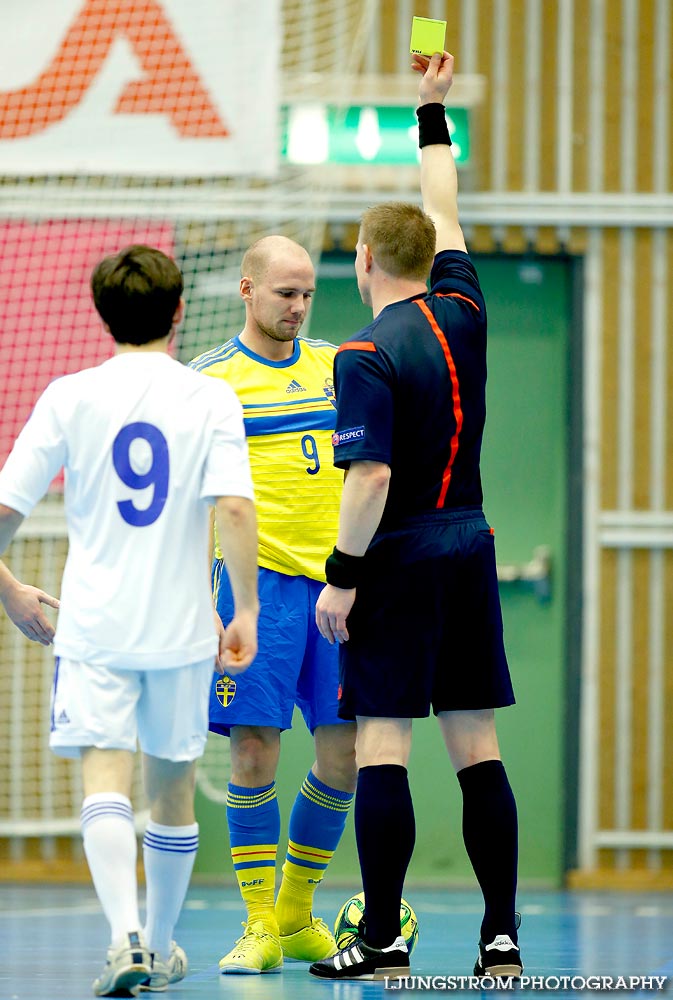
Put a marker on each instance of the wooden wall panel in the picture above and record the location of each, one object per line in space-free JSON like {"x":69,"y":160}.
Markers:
{"x":642,"y":333}
{"x":582,"y":84}
{"x":668,"y":702}
{"x":516,"y":83}
{"x":643,"y":140}
{"x":610,"y":380}
{"x":668,"y":418}
{"x":640,"y":652}
{"x":605,"y":737}
{"x":612,"y":97}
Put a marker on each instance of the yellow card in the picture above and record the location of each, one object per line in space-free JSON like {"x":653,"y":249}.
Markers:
{"x":427,"y":36}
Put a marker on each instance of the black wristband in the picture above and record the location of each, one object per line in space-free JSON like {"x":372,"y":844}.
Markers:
{"x":342,"y":570}
{"x":432,"y":127}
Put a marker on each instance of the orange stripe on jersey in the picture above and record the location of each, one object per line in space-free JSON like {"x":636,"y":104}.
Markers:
{"x":457,"y":295}
{"x":457,"y":410}
{"x":357,"y":345}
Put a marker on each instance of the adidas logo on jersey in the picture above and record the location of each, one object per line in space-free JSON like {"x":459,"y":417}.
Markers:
{"x":294,"y":386}
{"x":63,"y":717}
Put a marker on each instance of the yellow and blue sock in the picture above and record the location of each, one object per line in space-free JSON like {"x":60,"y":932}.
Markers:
{"x":254,"y":830}
{"x":317,"y":821}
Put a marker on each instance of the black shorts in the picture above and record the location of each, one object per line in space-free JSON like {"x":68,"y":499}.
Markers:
{"x":426,"y":627}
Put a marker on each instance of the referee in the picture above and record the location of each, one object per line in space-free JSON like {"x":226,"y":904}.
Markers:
{"x":412,"y":591}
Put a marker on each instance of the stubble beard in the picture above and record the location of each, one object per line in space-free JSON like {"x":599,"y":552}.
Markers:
{"x":278,"y":333}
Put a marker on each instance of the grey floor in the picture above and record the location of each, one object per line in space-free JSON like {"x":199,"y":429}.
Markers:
{"x":53,"y":941}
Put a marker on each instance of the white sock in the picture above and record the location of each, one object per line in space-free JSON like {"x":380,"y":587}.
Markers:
{"x":111,"y":849}
{"x":169,"y":853}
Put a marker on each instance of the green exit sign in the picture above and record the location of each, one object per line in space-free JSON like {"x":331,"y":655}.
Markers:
{"x":384,"y":134}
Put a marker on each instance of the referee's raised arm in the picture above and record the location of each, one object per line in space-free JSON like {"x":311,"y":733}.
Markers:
{"x":439,"y":178}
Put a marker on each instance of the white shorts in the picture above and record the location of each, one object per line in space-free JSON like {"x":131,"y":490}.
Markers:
{"x":166,"y":711}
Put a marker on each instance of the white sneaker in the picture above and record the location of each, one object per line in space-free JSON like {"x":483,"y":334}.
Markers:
{"x":128,"y":964}
{"x":166,"y":972}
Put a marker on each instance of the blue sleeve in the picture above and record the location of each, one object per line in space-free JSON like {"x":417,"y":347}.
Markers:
{"x":364,"y":403}
{"x":453,"y":271}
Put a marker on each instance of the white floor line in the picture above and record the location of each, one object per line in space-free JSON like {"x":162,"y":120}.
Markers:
{"x":77,"y":909}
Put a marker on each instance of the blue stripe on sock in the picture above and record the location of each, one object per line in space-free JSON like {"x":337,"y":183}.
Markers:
{"x":318,"y":818}
{"x":102,"y":810}
{"x":255,"y":864}
{"x":306,"y":864}
{"x":330,"y":798}
{"x":253,"y":815}
{"x":170,"y":845}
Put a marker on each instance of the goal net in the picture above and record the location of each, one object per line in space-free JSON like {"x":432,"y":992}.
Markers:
{"x":116,"y":123}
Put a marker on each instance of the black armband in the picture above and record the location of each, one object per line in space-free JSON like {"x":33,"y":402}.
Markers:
{"x":432,"y":127}
{"x":342,"y":570}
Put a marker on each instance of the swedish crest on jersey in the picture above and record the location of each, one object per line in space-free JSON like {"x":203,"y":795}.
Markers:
{"x":328,"y":389}
{"x":225,"y":690}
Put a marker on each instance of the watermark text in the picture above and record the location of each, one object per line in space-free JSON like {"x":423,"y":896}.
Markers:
{"x":552,"y":983}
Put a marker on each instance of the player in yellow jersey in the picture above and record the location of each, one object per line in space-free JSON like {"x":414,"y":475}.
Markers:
{"x":285,"y":385}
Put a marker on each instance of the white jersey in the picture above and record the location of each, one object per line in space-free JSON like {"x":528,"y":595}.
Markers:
{"x":146,"y":445}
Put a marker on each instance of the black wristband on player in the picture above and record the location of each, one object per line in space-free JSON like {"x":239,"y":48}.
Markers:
{"x":432,"y":127}
{"x":342,"y":570}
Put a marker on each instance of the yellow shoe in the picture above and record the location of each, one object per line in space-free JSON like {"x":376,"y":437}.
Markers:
{"x":309,"y":944}
{"x":257,"y":951}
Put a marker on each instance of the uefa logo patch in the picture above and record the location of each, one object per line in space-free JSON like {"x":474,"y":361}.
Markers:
{"x":225,"y":690}
{"x":345,"y":437}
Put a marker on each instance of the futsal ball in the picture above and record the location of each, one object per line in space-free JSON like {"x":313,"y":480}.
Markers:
{"x":350,"y":915}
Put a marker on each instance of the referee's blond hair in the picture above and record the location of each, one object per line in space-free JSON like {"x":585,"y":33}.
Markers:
{"x":401,"y":238}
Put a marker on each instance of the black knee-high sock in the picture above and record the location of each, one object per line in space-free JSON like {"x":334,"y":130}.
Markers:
{"x":490,"y":833}
{"x":385,"y":830}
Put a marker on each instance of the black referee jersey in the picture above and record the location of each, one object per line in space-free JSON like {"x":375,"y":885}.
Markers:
{"x":411,"y":392}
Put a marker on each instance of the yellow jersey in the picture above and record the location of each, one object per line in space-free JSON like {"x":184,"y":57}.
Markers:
{"x":289,"y":412}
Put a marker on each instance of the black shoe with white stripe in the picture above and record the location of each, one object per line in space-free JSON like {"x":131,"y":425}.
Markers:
{"x":501,"y":957}
{"x":361,"y":961}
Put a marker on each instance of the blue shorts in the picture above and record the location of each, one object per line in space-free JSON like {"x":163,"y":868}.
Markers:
{"x":294,"y":664}
{"x":426,"y":627}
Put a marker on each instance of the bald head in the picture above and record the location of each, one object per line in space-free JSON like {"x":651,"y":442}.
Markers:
{"x":269,"y":251}
{"x":277,"y":285}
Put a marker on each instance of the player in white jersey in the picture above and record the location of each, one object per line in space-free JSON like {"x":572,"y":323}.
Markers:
{"x":148,"y":446}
